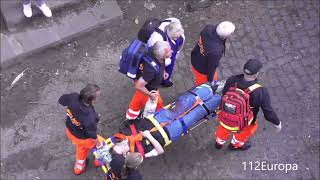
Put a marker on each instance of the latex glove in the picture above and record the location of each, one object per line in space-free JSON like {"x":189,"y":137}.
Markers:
{"x":98,"y":143}
{"x":154,"y":95}
{"x":220,"y":85}
{"x":278,"y":127}
{"x":178,"y":54}
{"x":165,"y":75}
{"x":167,"y":62}
{"x":213,"y":82}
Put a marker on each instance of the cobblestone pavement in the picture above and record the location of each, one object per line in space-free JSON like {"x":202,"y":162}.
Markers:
{"x":283,"y":34}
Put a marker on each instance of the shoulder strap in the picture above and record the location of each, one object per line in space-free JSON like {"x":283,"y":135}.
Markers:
{"x":138,"y":143}
{"x":150,"y":61}
{"x":163,"y":34}
{"x":166,"y":20}
{"x":160,"y":129}
{"x":253,"y":87}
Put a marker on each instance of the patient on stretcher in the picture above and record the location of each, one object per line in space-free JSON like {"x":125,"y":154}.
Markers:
{"x":167,"y":125}
{"x":152,"y":142}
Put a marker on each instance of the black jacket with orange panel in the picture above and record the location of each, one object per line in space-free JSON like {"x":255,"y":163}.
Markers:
{"x":81,"y":118}
{"x":206,"y":55}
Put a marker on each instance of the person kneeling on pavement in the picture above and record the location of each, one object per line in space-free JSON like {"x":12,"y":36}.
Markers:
{"x":241,"y":100}
{"x":82,"y":123}
{"x":148,"y":81}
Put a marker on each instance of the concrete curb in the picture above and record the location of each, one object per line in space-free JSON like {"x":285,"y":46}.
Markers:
{"x":13,"y":15}
{"x":16,"y":46}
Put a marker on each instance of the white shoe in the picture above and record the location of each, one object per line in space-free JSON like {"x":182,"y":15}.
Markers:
{"x":45,"y":10}
{"x":27,"y":11}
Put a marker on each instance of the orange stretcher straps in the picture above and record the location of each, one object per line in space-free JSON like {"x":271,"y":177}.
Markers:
{"x":137,"y":138}
{"x":161,"y":124}
{"x":120,"y":136}
{"x":134,"y":140}
{"x":198,"y":101}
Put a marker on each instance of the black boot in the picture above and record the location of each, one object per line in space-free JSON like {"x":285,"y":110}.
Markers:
{"x":167,"y":84}
{"x":244,"y":147}
{"x":218,"y":146}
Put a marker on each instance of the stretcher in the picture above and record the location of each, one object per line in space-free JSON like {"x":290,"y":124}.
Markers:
{"x":191,"y":109}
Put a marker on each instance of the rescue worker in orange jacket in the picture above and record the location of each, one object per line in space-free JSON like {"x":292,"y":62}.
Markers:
{"x":82,"y":123}
{"x":206,"y":55}
{"x":148,"y":80}
{"x":259,"y":98}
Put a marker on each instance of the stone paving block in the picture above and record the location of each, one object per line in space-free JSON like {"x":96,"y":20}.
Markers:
{"x":303,"y":14}
{"x":105,"y":11}
{"x":240,"y":32}
{"x":265,"y":44}
{"x":285,"y":82}
{"x":239,"y":53}
{"x":310,"y":25}
{"x":7,"y":50}
{"x":313,"y":32}
{"x":252,"y":35}
{"x":272,"y":78}
{"x":32,"y":40}
{"x":281,"y":94}
{"x":291,"y":27}
{"x":248,"y":28}
{"x":303,"y":42}
{"x":274,"y":52}
{"x":311,"y":61}
{"x":314,"y":74}
{"x":273,"y":37}
{"x":304,"y":52}
{"x":263,"y":35}
{"x":313,"y":14}
{"x":74,"y":24}
{"x":283,"y":60}
{"x":226,"y":73}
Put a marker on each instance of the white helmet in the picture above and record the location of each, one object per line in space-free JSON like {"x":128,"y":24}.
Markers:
{"x":225,"y":29}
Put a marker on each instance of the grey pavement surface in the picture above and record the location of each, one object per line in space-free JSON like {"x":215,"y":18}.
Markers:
{"x":284,"y":35}
{"x":16,"y":46}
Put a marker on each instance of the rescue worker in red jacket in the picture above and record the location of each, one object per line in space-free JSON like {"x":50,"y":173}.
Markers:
{"x":148,"y":80}
{"x":259,"y":98}
{"x":82,"y":123}
{"x":206,"y":55}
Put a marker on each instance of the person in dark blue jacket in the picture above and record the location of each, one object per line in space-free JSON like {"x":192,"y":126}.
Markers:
{"x":126,"y":168}
{"x":81,"y":123}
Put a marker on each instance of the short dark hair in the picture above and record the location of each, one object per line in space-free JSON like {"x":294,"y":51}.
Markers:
{"x":88,"y":94}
